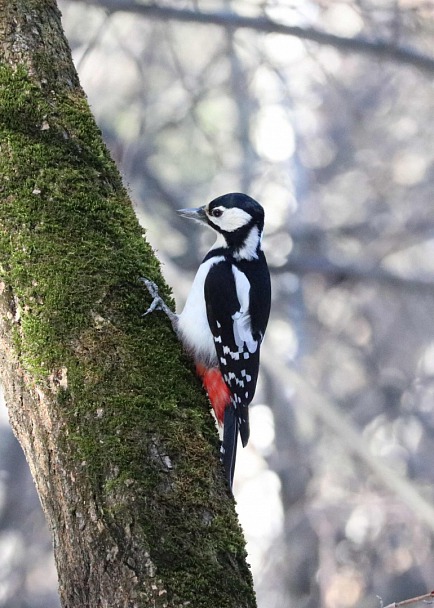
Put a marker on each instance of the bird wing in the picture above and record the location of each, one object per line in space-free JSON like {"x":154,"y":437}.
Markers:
{"x":227,"y":294}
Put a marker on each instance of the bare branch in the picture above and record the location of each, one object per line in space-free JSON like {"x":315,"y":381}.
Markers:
{"x":413,"y":600}
{"x":303,"y":265}
{"x":324,"y":409}
{"x":94,"y":41}
{"x":379,"y":48}
{"x":350,"y":438}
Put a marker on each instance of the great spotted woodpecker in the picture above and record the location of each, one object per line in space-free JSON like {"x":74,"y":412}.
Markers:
{"x":226,"y":314}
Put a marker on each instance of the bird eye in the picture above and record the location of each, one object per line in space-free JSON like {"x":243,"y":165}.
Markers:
{"x":216,"y":212}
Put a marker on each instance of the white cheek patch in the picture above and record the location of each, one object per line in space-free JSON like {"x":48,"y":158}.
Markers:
{"x":232,"y":219}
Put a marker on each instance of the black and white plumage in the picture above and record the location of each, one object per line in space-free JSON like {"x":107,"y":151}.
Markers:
{"x":226,"y":313}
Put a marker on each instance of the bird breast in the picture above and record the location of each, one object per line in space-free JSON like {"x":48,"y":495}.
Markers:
{"x":193,"y":326}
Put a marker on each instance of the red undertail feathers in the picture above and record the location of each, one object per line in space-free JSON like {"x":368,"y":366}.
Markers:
{"x":217,"y":389}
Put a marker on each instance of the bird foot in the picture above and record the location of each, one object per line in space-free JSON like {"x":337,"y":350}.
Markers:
{"x":158,"y":303}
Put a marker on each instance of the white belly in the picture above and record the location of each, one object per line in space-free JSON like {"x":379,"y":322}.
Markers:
{"x":193,"y":324}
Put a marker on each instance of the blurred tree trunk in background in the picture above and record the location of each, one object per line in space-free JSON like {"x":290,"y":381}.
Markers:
{"x":113,"y":424}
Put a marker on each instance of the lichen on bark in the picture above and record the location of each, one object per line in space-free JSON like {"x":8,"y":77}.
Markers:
{"x":112,"y":420}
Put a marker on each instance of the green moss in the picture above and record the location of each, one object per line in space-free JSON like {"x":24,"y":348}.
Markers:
{"x":136,"y":422}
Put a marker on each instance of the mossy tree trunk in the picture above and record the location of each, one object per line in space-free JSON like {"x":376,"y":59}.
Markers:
{"x":113,"y":423}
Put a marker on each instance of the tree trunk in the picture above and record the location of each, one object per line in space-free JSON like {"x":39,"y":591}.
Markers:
{"x":113,"y":423}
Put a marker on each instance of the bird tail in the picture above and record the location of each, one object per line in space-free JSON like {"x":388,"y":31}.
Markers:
{"x":218,"y":392}
{"x":220,"y":397}
{"x":229,"y":444}
{"x":243,"y":422}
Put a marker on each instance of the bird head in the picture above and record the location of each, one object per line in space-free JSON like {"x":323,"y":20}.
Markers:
{"x":238,"y":220}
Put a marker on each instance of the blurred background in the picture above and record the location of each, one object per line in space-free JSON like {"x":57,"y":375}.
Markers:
{"x":334,"y":136}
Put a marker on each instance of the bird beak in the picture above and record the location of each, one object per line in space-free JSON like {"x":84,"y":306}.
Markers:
{"x":197,"y":214}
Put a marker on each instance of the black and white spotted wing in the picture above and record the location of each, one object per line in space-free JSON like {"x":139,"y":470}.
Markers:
{"x":227,"y":294}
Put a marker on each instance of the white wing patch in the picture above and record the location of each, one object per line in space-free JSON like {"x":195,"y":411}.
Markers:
{"x":241,"y":319}
{"x":243,"y":332}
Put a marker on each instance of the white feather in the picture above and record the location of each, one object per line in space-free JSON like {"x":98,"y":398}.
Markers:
{"x":220,"y":242}
{"x":249,"y":250}
{"x":242,"y":324}
{"x":231,"y":219}
{"x":193,"y":324}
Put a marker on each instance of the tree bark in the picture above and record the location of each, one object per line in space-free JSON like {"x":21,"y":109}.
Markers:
{"x":114,"y":425}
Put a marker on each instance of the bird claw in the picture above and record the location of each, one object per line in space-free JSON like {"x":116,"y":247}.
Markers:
{"x":153,"y":292}
{"x":157,"y":301}
{"x":156,"y":305}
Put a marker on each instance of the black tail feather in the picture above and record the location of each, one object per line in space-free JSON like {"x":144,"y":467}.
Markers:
{"x":229,"y":445}
{"x":243,"y":422}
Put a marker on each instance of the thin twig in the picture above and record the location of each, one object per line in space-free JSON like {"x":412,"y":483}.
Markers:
{"x":413,"y":600}
{"x":303,"y":265}
{"x":94,"y":41}
{"x":380,"y":48}
{"x":326,"y":410}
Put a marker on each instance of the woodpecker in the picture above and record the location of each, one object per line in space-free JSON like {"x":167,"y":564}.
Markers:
{"x":226,"y":313}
